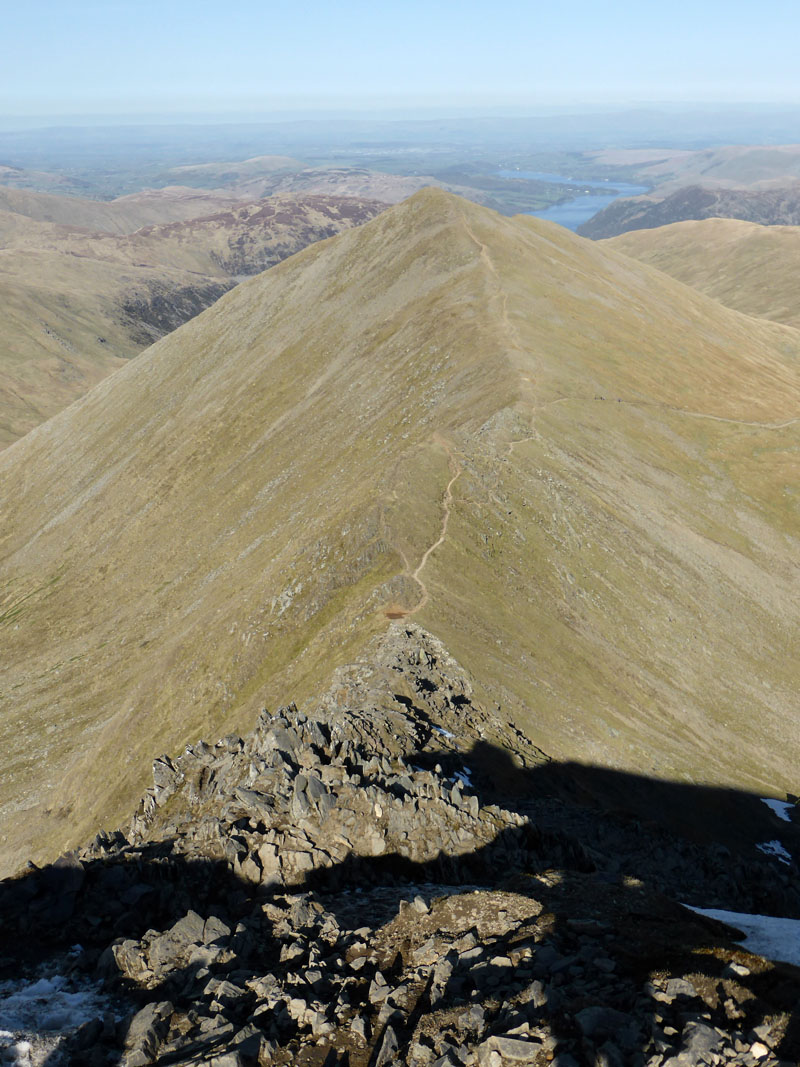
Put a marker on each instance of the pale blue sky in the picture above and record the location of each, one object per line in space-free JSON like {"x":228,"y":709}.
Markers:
{"x":180,"y":55}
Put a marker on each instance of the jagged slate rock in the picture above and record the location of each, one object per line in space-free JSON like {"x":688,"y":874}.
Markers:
{"x":378,"y":989}
{"x":214,"y":929}
{"x":126,"y":957}
{"x":474,"y":1019}
{"x":314,"y":788}
{"x":700,"y":1040}
{"x":166,"y":779}
{"x":189,"y":929}
{"x":761,"y":1032}
{"x":358,"y":1027}
{"x":387,"y":1052}
{"x":680,"y":987}
{"x":510,"y":1050}
{"x":249,"y":869}
{"x":256,"y":802}
{"x":146,"y":1032}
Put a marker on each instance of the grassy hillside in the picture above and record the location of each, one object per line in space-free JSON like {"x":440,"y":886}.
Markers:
{"x":745,"y":266}
{"x":574,"y":470}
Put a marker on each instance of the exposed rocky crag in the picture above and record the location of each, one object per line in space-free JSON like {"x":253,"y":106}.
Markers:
{"x":400,"y":877}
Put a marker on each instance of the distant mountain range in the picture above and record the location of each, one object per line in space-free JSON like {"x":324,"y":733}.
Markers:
{"x":87,"y":284}
{"x":773,"y":206}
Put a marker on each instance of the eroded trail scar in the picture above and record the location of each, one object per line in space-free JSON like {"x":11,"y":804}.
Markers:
{"x":447,"y":501}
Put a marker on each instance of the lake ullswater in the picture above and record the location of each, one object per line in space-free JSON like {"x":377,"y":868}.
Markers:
{"x":573,"y":213}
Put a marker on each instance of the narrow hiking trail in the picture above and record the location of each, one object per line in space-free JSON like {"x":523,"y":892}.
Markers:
{"x":396,"y":612}
{"x":487,"y":260}
{"x":447,"y":501}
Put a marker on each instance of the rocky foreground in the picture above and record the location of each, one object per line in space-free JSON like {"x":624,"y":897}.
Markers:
{"x":398,"y":877}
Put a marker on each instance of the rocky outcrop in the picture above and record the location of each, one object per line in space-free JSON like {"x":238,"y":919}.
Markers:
{"x":381,"y":881}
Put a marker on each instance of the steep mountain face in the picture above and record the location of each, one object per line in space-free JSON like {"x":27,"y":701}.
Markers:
{"x":745,"y":266}
{"x":76,"y":303}
{"x":397,"y":877}
{"x":769,"y":207}
{"x":572,"y":469}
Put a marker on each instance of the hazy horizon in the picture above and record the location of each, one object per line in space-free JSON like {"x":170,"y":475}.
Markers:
{"x":91,"y":59}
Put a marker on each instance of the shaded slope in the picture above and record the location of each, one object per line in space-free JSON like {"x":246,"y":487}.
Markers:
{"x":745,"y":266}
{"x":588,"y":449}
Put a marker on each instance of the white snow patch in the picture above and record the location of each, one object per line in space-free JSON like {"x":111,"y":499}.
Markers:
{"x":765,"y":935}
{"x":49,"y":1004}
{"x":465,"y":777}
{"x":441,"y":730}
{"x":780,"y":807}
{"x":776,"y":849}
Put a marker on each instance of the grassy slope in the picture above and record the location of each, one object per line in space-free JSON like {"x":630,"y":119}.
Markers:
{"x":745,"y":266}
{"x":233,"y":514}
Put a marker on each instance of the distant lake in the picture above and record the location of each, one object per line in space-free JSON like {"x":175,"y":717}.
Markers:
{"x":573,"y":213}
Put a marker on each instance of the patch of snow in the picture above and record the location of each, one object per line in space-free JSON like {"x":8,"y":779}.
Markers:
{"x":39,"y":1014}
{"x":441,"y":730}
{"x":776,"y":849}
{"x":780,"y":807}
{"x":47,"y":1004}
{"x":465,"y":777}
{"x":765,"y":935}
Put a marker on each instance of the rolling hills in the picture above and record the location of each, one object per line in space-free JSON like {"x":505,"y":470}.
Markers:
{"x":745,"y":266}
{"x":733,"y":166}
{"x":572,"y":469}
{"x":121,"y":216}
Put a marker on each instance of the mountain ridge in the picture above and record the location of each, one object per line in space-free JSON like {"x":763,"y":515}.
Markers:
{"x":237,"y":512}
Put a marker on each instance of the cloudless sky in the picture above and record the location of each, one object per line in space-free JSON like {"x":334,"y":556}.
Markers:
{"x":68,"y":56}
